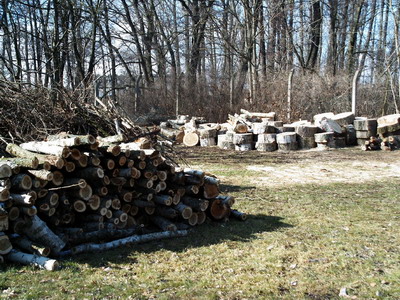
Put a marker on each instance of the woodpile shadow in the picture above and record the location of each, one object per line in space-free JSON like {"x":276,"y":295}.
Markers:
{"x":208,"y":234}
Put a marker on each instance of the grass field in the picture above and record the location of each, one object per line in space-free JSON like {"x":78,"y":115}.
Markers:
{"x":320,"y":224}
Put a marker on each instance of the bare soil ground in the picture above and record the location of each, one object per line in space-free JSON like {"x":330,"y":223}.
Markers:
{"x":348,"y":165}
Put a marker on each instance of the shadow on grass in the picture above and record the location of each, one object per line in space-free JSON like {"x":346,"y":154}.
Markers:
{"x":205,"y":235}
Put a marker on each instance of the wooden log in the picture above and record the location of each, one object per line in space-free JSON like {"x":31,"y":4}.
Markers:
{"x":191,"y":139}
{"x":263,"y":128}
{"x":63,"y":142}
{"x":201,"y":217}
{"x":243,"y":138}
{"x":39,"y":232}
{"x":306,"y":142}
{"x":58,"y":178}
{"x":4,"y":221}
{"x":365,"y":134}
{"x":83,"y":193}
{"x":166,"y":212}
{"x":101,"y":235}
{"x":268,"y":147}
{"x":13,"y":213}
{"x":228,"y":200}
{"x":287,"y":141}
{"x":306,"y":130}
{"x":163,"y":199}
{"x":94,"y":202}
{"x":27,"y":245}
{"x":5,"y":244}
{"x":18,"y":162}
{"x":44,"y":148}
{"x":330,"y":125}
{"x":79,"y":206}
{"x":29,"y":211}
{"x":15,"y":150}
{"x":218,"y":209}
{"x":4,"y":194}
{"x":351,"y":138}
{"x":207,"y":142}
{"x":195,"y":203}
{"x":41,"y":174}
{"x":269,"y":115}
{"x":90,"y":173}
{"x":210,"y":187}
{"x":135,"y":239}
{"x":21,"y":182}
{"x":366,"y":124}
{"x":185,"y":211}
{"x":163,"y":223}
{"x":119,"y":138}
{"x":115,"y":203}
{"x":224,"y":143}
{"x":324,"y":138}
{"x":30,"y":259}
{"x":69,"y":166}
{"x":318,"y":118}
{"x":192,"y":221}
{"x":26,"y":199}
{"x":344,"y":119}
{"x":238,"y":215}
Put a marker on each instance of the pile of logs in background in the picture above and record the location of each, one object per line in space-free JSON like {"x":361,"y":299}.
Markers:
{"x":260,"y":131}
{"x":64,"y":195}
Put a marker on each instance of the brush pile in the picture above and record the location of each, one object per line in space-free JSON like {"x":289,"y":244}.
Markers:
{"x":67,"y":194}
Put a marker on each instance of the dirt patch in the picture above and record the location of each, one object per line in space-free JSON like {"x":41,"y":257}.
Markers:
{"x":349,"y":165}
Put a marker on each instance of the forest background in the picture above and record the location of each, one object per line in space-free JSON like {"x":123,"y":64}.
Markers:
{"x":205,"y":58}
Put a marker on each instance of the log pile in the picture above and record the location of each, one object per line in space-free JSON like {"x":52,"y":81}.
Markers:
{"x":254,"y":130}
{"x":58,"y":194}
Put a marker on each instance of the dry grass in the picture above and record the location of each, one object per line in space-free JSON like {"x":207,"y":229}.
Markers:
{"x":301,"y":241}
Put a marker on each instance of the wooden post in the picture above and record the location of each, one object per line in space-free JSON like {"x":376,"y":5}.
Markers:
{"x":354,"y":91}
{"x":289,"y":99}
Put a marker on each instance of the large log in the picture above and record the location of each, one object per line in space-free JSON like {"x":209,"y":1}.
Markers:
{"x":135,"y":239}
{"x":15,"y":162}
{"x":30,"y":259}
{"x":344,"y":119}
{"x":45,"y":148}
{"x":191,"y":139}
{"x":53,"y":160}
{"x":39,"y":232}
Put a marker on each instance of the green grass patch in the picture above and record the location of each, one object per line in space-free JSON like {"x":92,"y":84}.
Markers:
{"x":300,"y":242}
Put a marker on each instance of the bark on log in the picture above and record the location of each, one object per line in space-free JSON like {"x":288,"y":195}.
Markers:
{"x":243,"y":138}
{"x":44,"y":148}
{"x":163,"y":223}
{"x":238,"y":215}
{"x":366,"y":124}
{"x":30,"y":259}
{"x":14,"y":162}
{"x":135,"y":239}
{"x":195,"y":203}
{"x":21,"y":182}
{"x":40,"y":233}
{"x":344,"y":119}
{"x":15,"y":150}
{"x":185,"y":211}
{"x":42,"y":174}
{"x":25,"y":244}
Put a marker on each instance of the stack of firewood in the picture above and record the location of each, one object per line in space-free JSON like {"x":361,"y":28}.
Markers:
{"x":72,"y":190}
